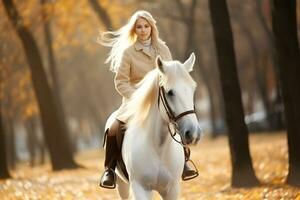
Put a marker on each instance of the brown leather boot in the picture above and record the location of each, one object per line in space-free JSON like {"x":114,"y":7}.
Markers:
{"x":189,"y":172}
{"x":108,"y":179}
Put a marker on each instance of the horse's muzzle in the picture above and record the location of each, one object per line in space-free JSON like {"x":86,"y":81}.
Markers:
{"x":191,"y":133}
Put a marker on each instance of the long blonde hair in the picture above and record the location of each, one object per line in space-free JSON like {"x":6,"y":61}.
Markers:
{"x":124,"y":37}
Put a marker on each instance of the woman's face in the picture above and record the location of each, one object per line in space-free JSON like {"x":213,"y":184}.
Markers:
{"x":142,"y":29}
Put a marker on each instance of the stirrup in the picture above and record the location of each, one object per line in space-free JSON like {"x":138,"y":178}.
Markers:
{"x":192,"y":176}
{"x":114,"y":176}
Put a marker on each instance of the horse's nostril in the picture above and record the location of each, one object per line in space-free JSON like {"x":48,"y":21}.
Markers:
{"x":188,"y":135}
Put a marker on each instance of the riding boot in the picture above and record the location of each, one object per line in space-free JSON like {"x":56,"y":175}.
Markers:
{"x":108,"y":179}
{"x":189,"y":172}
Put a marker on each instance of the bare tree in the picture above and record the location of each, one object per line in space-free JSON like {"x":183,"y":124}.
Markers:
{"x":54,"y":132}
{"x":288,"y":57}
{"x":56,"y":83}
{"x":8,"y":122}
{"x":187,"y":16}
{"x":4,"y":173}
{"x":242,"y":171}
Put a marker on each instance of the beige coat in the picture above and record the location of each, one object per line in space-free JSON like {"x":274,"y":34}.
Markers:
{"x":137,"y":61}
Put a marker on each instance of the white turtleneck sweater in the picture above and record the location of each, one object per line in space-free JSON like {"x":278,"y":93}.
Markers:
{"x":146,"y":44}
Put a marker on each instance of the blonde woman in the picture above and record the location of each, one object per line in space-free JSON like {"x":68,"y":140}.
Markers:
{"x":134,"y":48}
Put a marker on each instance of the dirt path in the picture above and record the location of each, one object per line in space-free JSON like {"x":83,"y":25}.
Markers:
{"x":211,"y":156}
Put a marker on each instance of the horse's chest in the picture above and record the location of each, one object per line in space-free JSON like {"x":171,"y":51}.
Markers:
{"x":155,"y":166}
{"x":156,"y":177}
{"x":148,"y":165}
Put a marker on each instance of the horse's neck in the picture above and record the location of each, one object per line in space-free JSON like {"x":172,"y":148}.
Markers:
{"x":156,"y":128}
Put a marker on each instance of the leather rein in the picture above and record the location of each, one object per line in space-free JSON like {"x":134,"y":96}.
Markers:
{"x":173,"y":119}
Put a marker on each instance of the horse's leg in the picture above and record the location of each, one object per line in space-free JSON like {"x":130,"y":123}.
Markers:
{"x":139,"y":192}
{"x":172,"y":193}
{"x":123,"y":188}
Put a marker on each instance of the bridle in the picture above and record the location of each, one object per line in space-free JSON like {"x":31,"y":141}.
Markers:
{"x":173,"y":119}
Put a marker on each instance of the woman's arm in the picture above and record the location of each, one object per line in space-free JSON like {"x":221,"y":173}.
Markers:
{"x":165,"y":52}
{"x":122,"y":78}
{"x":169,"y":55}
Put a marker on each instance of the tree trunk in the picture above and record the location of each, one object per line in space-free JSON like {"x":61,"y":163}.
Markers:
{"x":191,"y":45}
{"x":242,"y":171}
{"x":56,"y":86}
{"x":212,"y":113}
{"x":287,"y":51}
{"x":8,"y":124}
{"x":53,"y":128}
{"x":12,"y":157}
{"x":270,"y":40}
{"x":102,"y":14}
{"x":4,"y":173}
{"x":42,"y":149}
{"x":190,"y":23}
{"x":31,"y":141}
{"x":259,"y":74}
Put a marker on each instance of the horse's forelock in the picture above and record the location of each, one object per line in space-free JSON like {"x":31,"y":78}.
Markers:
{"x":175,"y":72}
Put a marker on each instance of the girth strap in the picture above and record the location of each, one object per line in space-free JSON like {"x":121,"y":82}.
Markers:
{"x":184,"y":113}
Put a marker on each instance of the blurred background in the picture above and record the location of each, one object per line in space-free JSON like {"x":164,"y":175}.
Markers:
{"x":66,"y":34}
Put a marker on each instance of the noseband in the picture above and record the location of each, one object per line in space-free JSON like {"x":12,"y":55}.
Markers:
{"x":173,"y":119}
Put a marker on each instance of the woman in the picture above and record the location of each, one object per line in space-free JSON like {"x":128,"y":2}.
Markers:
{"x":134,"y":48}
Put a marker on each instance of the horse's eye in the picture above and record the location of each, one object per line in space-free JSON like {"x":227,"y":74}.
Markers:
{"x":170,"y":93}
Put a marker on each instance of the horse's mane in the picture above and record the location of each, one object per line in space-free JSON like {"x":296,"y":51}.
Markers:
{"x":141,"y":100}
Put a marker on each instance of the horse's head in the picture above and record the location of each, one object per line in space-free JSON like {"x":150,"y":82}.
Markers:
{"x":177,"y":90}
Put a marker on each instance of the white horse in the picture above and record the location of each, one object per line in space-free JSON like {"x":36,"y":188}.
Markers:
{"x":153,"y":159}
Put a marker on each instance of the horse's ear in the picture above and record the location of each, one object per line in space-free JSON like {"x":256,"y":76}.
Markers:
{"x":189,"y":63}
{"x":159,"y":63}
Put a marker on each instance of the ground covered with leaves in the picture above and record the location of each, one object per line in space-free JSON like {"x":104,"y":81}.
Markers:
{"x":269,"y":152}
